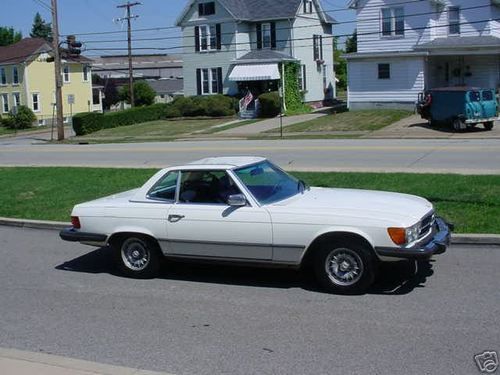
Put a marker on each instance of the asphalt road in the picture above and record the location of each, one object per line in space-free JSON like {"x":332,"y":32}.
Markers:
{"x":63,"y":298}
{"x":477,"y":156}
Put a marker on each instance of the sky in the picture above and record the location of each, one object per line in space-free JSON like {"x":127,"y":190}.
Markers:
{"x":80,"y":17}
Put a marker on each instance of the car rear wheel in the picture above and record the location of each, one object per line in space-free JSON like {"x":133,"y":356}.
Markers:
{"x":346,"y":268}
{"x":488,"y":125}
{"x":137,"y":257}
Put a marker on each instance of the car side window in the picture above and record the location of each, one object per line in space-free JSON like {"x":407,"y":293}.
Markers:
{"x":207,"y":187}
{"x":475,"y":96}
{"x":487,"y":95}
{"x":165,"y":188}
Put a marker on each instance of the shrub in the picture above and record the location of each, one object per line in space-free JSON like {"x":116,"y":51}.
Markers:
{"x":86,"y":123}
{"x":143,"y":94}
{"x":270,"y":104}
{"x":218,"y":106}
{"x":23,"y":119}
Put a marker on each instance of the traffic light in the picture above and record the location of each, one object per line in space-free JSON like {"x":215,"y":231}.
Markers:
{"x":74,"y":47}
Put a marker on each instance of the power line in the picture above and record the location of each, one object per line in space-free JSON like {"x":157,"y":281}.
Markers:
{"x":43,"y":5}
{"x":176,"y":27}
{"x":280,"y":28}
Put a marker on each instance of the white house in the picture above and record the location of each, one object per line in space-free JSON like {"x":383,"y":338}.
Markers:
{"x":231,"y":46}
{"x":406,"y":47}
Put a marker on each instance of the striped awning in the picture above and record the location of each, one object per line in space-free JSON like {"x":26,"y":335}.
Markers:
{"x":262,"y":72}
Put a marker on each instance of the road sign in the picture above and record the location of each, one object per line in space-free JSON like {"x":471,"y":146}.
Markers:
{"x":71,"y":99}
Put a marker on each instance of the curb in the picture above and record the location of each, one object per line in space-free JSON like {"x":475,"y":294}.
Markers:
{"x":30,"y":363}
{"x":456,"y":239}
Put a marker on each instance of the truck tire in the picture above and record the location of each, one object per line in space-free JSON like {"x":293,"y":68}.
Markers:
{"x":458,"y":125}
{"x":488,"y":125}
{"x":137,"y":257}
{"x":345,"y":267}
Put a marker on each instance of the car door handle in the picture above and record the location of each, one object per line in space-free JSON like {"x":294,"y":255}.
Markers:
{"x":175,"y":218}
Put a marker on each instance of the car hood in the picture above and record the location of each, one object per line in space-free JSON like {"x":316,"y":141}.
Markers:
{"x":357,"y":203}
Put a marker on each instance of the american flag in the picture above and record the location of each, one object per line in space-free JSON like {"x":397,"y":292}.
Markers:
{"x":247,"y":99}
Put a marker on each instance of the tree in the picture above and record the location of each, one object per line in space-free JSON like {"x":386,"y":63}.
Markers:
{"x":9,"y":36}
{"x":41,"y":29}
{"x":111,"y":96}
{"x":351,"y":43}
{"x":143,"y":94}
{"x":23,"y":119}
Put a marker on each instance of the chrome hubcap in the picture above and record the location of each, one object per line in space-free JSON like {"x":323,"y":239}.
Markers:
{"x":344,"y":267}
{"x":135,"y":254}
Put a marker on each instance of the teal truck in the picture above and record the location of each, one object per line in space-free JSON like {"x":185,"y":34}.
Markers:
{"x":459,"y":107}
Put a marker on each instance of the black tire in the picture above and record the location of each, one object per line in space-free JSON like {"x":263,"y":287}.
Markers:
{"x":137,"y":257}
{"x":458,"y":125}
{"x":358,"y":259}
{"x":488,"y":125}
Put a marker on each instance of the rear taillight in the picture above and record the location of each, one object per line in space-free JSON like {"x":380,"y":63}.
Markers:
{"x":75,"y":222}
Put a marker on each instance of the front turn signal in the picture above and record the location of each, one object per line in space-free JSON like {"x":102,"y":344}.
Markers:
{"x":398,"y":235}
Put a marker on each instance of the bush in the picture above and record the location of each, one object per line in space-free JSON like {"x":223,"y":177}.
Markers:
{"x":212,"y":106}
{"x":86,"y":123}
{"x":22,"y":120}
{"x":270,"y":104}
{"x":143,"y":94}
{"x":218,"y":106}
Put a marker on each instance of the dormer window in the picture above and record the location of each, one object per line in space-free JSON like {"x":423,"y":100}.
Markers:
{"x":266,"y":35}
{"x":308,"y":6}
{"x":454,"y":20}
{"x":206,"y":9}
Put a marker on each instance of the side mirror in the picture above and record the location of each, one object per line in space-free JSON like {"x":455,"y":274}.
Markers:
{"x":237,"y":200}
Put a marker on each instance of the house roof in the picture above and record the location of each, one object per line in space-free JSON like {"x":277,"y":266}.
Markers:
{"x":24,"y":50}
{"x":263,"y":10}
{"x":166,"y":86}
{"x":461,"y":42}
{"x":264,"y":55}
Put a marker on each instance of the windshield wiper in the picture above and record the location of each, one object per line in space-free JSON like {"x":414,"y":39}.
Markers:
{"x":303,"y":184}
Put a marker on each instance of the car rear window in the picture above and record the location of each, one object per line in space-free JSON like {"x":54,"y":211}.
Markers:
{"x":475,"y":96}
{"x":487,"y":95}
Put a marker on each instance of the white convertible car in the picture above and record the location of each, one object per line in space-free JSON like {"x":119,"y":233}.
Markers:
{"x":248,"y":210}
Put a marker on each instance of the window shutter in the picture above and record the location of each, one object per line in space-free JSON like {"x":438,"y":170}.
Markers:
{"x":218,"y":32}
{"x":304,"y":79}
{"x":198,"y":81}
{"x":197,"y":38}
{"x":259,"y":36}
{"x":321,"y":47}
{"x":273,"y":35}
{"x":219,"y":79}
{"x":315,"y":47}
{"x":305,"y":6}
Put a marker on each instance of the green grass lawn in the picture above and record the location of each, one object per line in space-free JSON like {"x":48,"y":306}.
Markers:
{"x":366,"y":120}
{"x":155,"y":130}
{"x":471,"y":202}
{"x":5,"y":131}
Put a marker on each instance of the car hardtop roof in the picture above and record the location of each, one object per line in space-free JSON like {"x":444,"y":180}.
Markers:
{"x":228,"y":162}
{"x":460,"y":89}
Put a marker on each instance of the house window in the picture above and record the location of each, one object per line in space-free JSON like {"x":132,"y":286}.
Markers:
{"x":393,"y":22}
{"x":384,"y":71}
{"x":208,"y":37}
{"x":454,"y":20}
{"x":209,"y":81}
{"x":15,"y":75}
{"x":66,"y":76}
{"x":206,"y":9}
{"x":3,"y":76}
{"x":5,"y":103}
{"x":318,"y":47}
{"x":86,"y":70}
{"x":266,"y":35}
{"x":308,"y":6}
{"x":16,"y":99}
{"x":301,"y":78}
{"x":35,"y":101}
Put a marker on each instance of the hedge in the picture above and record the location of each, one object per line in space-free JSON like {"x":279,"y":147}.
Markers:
{"x":270,"y":104}
{"x":212,"y":106}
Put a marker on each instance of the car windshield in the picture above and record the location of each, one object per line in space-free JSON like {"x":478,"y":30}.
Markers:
{"x":268,"y":183}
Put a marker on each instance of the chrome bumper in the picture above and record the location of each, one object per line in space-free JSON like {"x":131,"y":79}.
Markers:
{"x":437,"y":244}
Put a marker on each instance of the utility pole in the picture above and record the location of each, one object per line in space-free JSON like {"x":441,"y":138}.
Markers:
{"x":57,"y":69}
{"x":129,"y":17}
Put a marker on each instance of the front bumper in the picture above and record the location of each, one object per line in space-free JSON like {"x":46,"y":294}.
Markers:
{"x":73,"y":235}
{"x":437,"y":244}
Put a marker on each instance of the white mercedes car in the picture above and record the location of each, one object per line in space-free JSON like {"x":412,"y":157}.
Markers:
{"x":248,"y":210}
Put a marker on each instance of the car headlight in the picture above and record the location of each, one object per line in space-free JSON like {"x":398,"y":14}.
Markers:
{"x":403,"y":236}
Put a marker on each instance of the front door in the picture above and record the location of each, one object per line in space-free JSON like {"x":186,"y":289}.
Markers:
{"x":202,"y":224}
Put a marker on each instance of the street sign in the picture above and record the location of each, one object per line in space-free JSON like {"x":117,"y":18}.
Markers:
{"x":71,"y":99}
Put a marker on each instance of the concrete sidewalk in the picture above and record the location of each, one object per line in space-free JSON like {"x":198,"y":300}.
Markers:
{"x":19,"y":362}
{"x":269,"y":124}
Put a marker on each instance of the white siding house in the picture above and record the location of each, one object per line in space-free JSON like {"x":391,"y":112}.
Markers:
{"x":233,"y":46}
{"x":407,"y":47}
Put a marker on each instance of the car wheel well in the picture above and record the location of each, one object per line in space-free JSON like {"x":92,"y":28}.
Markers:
{"x":333,"y":237}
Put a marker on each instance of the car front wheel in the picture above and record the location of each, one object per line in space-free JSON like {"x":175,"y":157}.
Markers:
{"x":137,"y":257}
{"x":345,"y":268}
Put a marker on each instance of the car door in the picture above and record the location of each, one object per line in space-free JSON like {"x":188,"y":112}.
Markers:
{"x":202,"y":224}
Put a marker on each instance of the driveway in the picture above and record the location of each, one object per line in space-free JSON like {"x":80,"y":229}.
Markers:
{"x":415,"y":127}
{"x":426,"y":318}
